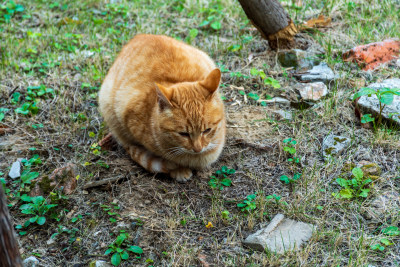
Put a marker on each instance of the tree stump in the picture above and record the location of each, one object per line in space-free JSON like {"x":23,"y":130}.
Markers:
{"x":272,"y":21}
{"x":9,"y":252}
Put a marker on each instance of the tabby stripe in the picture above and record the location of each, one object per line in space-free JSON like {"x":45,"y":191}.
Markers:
{"x":147,"y":160}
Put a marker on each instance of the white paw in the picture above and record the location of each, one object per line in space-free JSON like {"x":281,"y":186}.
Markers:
{"x":181,"y":175}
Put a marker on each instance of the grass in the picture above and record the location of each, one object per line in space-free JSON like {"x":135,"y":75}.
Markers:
{"x":68,"y":47}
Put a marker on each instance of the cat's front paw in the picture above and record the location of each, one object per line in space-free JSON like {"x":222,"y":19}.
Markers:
{"x":181,"y":175}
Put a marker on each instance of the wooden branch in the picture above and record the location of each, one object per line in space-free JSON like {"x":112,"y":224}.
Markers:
{"x":103,"y":182}
{"x":9,"y":252}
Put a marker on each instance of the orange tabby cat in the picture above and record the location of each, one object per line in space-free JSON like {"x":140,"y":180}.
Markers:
{"x":161,"y":103}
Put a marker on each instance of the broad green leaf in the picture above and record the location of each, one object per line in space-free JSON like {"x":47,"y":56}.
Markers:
{"x":108,"y":251}
{"x":391,"y":231}
{"x":253,"y":96}
{"x":285,"y":179}
{"x":1,"y":116}
{"x":364,"y":91}
{"x":226,"y":182}
{"x":386,"y":98}
{"x":251,"y":197}
{"x":120,"y":239}
{"x":254,"y":71}
{"x":135,"y":249}
{"x":346,"y":193}
{"x":115,"y":259}
{"x":364,"y":193}
{"x":124,"y":255}
{"x":386,"y":242}
{"x":29,"y":176}
{"x":216,"y":25}
{"x":41,"y":220}
{"x":358,"y":173}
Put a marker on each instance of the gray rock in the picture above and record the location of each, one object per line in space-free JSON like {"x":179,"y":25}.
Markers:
{"x":278,"y":101}
{"x":371,"y":104}
{"x":320,"y":73}
{"x":280,"y":235}
{"x":15,"y":171}
{"x":30,"y":262}
{"x":333,"y":145}
{"x":283,"y":115}
{"x":311,"y":91}
{"x":387,"y":202}
{"x":297,"y":58}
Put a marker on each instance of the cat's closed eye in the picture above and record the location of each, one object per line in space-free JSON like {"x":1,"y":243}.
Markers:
{"x":207,"y":131}
{"x":184,"y":134}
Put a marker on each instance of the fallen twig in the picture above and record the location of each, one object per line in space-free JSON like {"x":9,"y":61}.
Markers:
{"x":243,"y":142}
{"x":103,"y":182}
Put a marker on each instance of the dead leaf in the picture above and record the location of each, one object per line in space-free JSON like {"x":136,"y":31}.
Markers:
{"x":69,"y":21}
{"x":202,"y":259}
{"x":320,"y":22}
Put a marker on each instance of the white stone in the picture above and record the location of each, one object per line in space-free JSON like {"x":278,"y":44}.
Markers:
{"x":371,"y":104}
{"x":278,"y":101}
{"x":333,"y":145}
{"x":283,"y":114}
{"x":30,"y":262}
{"x":99,"y":263}
{"x":312,"y":91}
{"x":320,"y":73}
{"x":15,"y":171}
{"x":280,"y":235}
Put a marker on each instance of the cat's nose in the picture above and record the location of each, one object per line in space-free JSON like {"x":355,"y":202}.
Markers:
{"x":197,"y":149}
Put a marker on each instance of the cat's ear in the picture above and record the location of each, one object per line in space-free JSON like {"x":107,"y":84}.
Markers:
{"x":211,"y":82}
{"x":164,"y":96}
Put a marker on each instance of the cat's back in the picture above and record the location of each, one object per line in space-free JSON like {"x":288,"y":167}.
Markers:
{"x":161,"y":59}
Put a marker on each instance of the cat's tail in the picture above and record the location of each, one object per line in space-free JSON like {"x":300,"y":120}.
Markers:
{"x":149,"y":161}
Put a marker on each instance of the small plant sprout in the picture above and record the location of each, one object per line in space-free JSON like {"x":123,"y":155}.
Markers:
{"x":267,"y":80}
{"x":390,"y":232}
{"x":277,"y":199}
{"x":290,"y":147}
{"x":287,"y":180}
{"x":220,"y":179}
{"x":38,"y":207}
{"x":385,"y":97}
{"x":249,"y":204}
{"x":225,"y":215}
{"x":357,"y":186}
{"x":119,"y":249}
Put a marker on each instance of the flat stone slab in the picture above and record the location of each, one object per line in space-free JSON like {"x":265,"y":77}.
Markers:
{"x":278,"y":101}
{"x":283,"y":115}
{"x":280,"y":235}
{"x":320,"y":73}
{"x":312,"y":91}
{"x":333,"y":145}
{"x":371,"y":104}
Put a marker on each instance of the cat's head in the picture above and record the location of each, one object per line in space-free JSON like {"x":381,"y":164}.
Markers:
{"x":191,"y":116}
